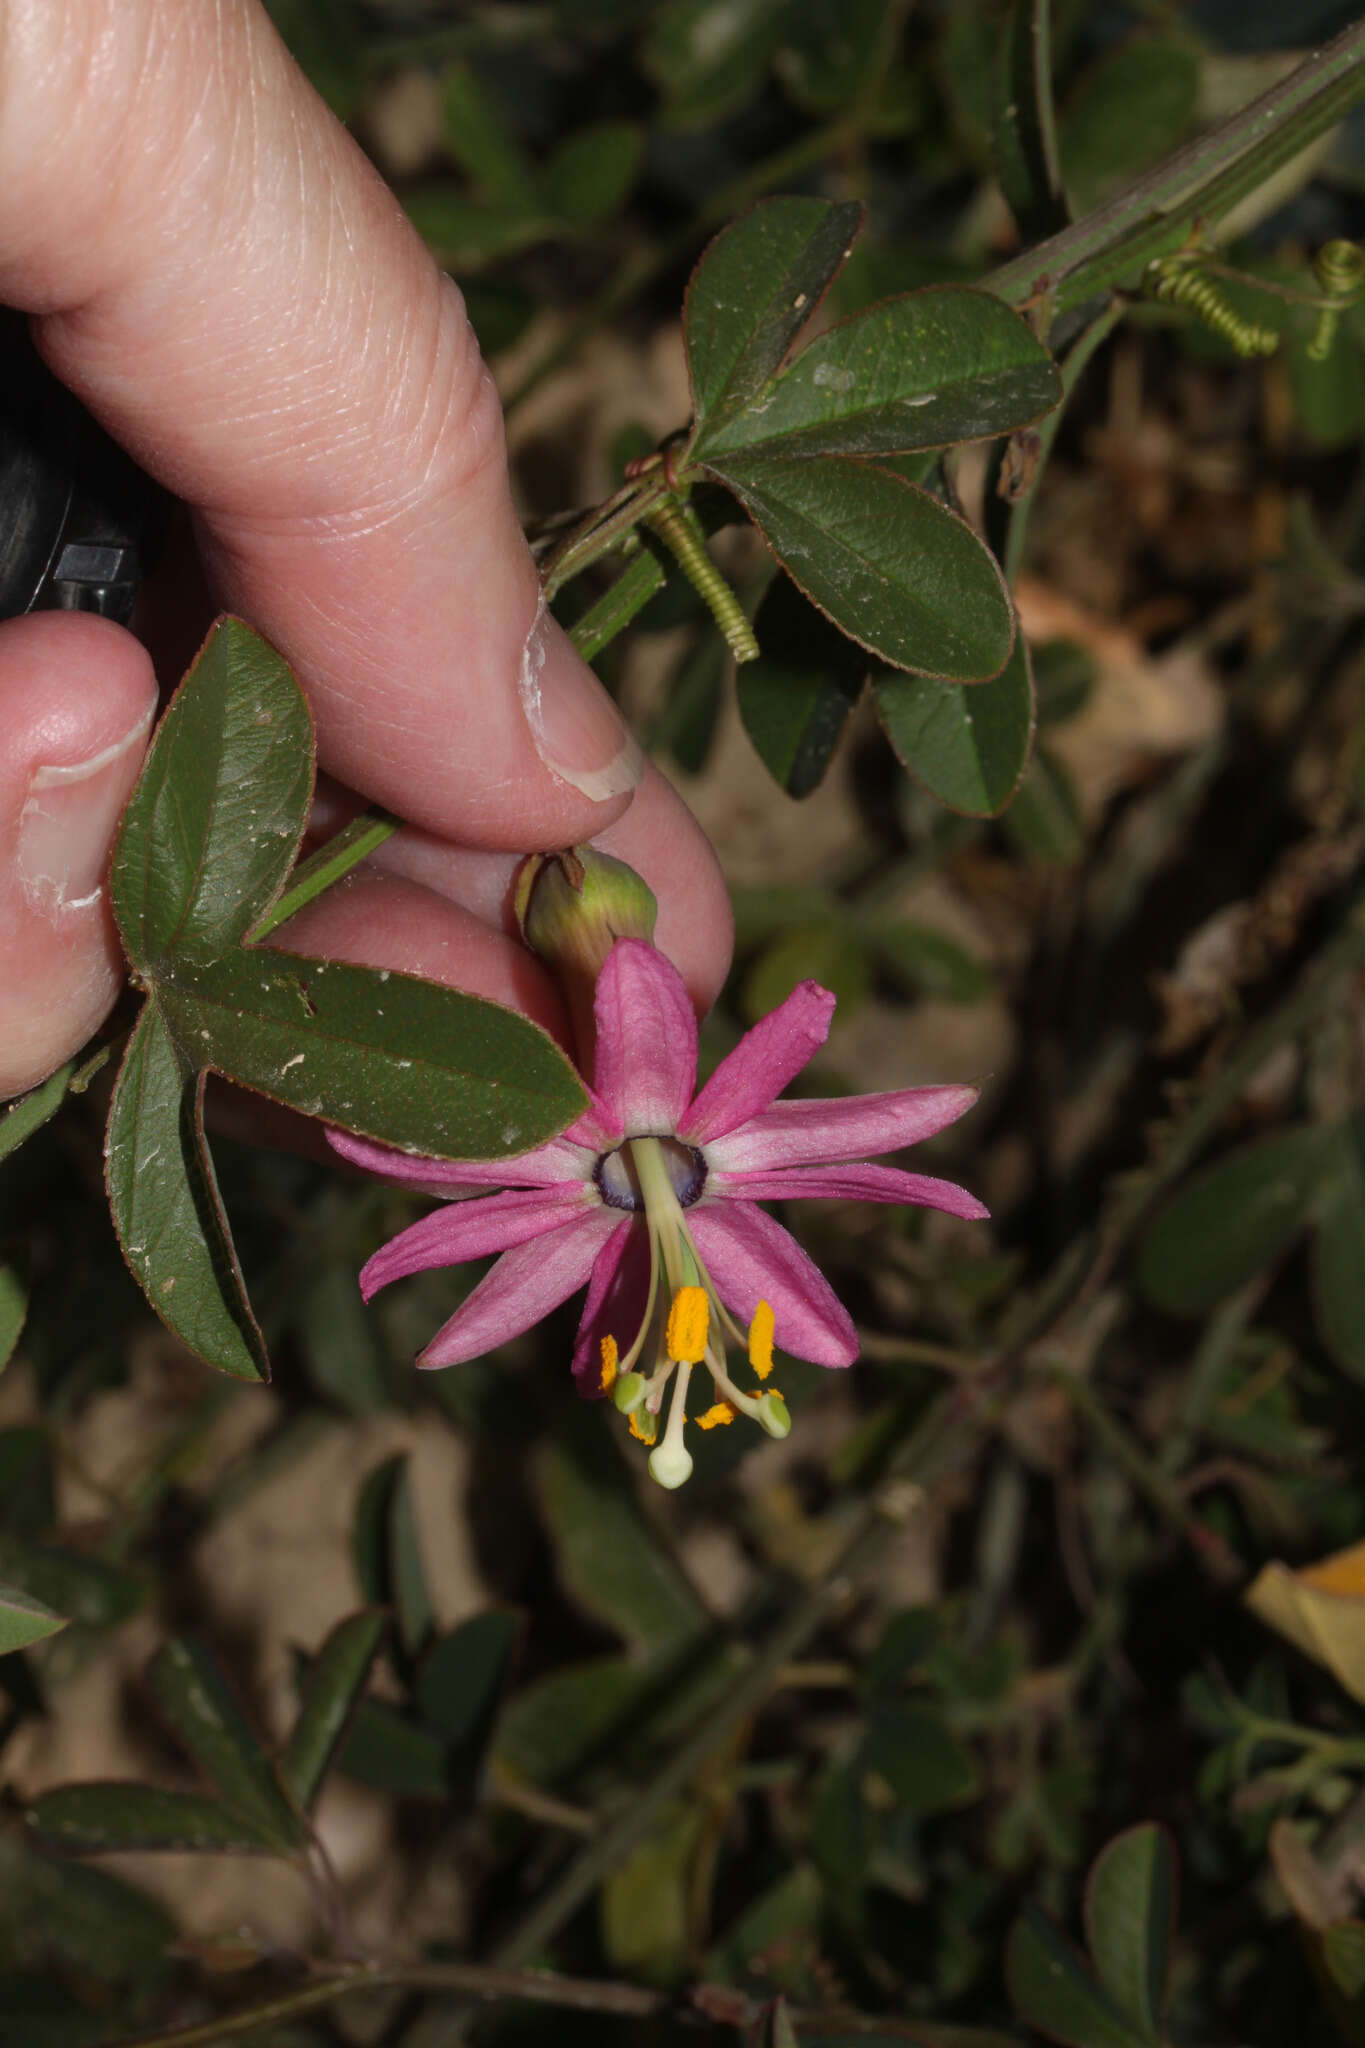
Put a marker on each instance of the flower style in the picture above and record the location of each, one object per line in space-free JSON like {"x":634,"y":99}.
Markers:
{"x":651,"y":1198}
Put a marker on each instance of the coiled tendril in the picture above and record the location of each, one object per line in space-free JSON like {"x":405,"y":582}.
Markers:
{"x":1181,"y":280}
{"x":1340,"y":270}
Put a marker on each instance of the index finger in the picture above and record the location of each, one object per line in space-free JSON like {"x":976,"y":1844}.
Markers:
{"x":217,"y":270}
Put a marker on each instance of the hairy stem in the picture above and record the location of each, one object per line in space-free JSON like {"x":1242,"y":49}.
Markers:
{"x":322,"y":870}
{"x":1155,"y":1485}
{"x":1193,"y":188}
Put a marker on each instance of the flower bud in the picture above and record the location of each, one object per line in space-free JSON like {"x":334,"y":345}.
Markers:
{"x":572,"y":907}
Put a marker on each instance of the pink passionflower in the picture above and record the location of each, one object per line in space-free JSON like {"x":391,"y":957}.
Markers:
{"x":651,"y":1198}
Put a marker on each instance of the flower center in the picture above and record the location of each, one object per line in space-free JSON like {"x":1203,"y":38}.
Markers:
{"x":684,"y":1324}
{"x":618,"y":1179}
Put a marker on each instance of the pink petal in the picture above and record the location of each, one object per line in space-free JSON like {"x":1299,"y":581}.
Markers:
{"x":598,"y":1128}
{"x":524,"y":1286}
{"x":646,"y":1064}
{"x":615,"y":1305}
{"x":851,"y":1184}
{"x":752,"y":1259}
{"x":471,"y":1230}
{"x":848,"y":1127}
{"x":761,"y":1065}
{"x":560,"y":1160}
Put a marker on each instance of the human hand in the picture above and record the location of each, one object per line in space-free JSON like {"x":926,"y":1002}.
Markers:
{"x":215,"y":269}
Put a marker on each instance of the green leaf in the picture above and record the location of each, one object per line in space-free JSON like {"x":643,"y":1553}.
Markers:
{"x":796,"y":697}
{"x":910,"y":1751}
{"x":589,"y":177}
{"x":1342,"y":1948}
{"x":547,"y":1731}
{"x":163,"y":1195}
{"x":215,"y":820}
{"x":499,"y":311}
{"x":755,"y":288}
{"x":708,"y":56}
{"x":841,"y":1833}
{"x":1329,"y":396}
{"x":200,"y":1706}
{"x":103,"y":1817}
{"x":607,"y":1554}
{"x":482,"y":144}
{"x":84,"y":1589}
{"x":780,"y":1922}
{"x":408,"y":1062}
{"x":27,"y":1489}
{"x":1338,"y":1269}
{"x":829,"y":48}
{"x":388,"y":1559}
{"x":1044,"y":821}
{"x":907,"y":1639}
{"x":13,"y":1309}
{"x":327,"y":39}
{"x":646,"y":1903}
{"x":80,"y":1918}
{"x":686,"y":721}
{"x":1130,"y":1921}
{"x":968,"y":748}
{"x":463,"y":1675}
{"x":333,"y":1690}
{"x":834,"y":953}
{"x":202,"y":854}
{"x":24,"y":1620}
{"x":926,"y":370}
{"x":1053,"y":1990}
{"x":338,"y":1341}
{"x":1135,"y":106}
{"x":1064,"y":675}
{"x":385,"y":1750}
{"x":894,"y":569}
{"x":1222,"y":1227}
{"x":930,"y":961}
{"x":32,"y":1111}
{"x":1024,"y":130}
{"x":468,"y":234}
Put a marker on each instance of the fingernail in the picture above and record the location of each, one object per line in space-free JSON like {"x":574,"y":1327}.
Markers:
{"x":68,"y":821}
{"x":578,"y":732}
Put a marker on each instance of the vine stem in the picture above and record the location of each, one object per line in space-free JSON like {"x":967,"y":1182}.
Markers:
{"x":1194,"y":187}
{"x":716,"y":2002}
{"x":1148,"y":1477}
{"x":322,"y":870}
{"x":472,"y":1980}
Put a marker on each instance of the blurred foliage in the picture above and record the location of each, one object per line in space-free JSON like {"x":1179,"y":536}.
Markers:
{"x":1036,"y":1769}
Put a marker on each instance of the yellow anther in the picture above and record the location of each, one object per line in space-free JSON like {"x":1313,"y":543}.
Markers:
{"x":723,"y":1412}
{"x":689,"y":1321}
{"x":761,"y":1340}
{"x":775,"y":1392}
{"x":643,"y":1426}
{"x":609,"y":1358}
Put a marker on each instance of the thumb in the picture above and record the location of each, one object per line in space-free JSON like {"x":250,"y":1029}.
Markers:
{"x":77,"y":699}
